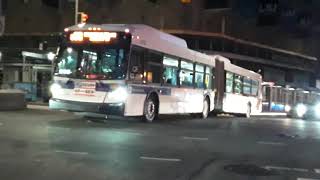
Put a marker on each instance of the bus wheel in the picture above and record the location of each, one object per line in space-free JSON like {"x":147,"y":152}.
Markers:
{"x":248,"y":113}
{"x":206,"y":109}
{"x":150,"y":109}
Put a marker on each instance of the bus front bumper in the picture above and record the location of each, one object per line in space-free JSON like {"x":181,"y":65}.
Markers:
{"x":75,"y":106}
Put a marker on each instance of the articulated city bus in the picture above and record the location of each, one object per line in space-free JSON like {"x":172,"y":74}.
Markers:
{"x":136,"y":70}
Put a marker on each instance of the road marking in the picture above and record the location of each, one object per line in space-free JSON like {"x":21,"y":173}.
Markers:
{"x":72,"y":152}
{"x":306,"y":179}
{"x":286,"y":168}
{"x":196,"y":138}
{"x":317,"y":171}
{"x":272,"y":143}
{"x":159,"y":159}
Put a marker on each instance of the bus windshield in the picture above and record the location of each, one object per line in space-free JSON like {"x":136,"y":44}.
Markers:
{"x":90,"y":62}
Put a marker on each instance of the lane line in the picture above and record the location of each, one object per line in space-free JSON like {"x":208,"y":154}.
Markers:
{"x":317,"y":171}
{"x":306,"y":179}
{"x":271,"y":143}
{"x":195,"y":138}
{"x":286,"y":168}
{"x":159,"y":159}
{"x":72,"y":152}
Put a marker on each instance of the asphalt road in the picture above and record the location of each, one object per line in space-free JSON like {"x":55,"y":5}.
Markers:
{"x":41,"y":144}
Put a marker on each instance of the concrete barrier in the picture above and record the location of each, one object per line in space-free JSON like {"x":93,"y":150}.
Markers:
{"x":12,"y":99}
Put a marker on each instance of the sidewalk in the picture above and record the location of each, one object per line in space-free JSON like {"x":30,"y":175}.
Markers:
{"x":38,"y":105}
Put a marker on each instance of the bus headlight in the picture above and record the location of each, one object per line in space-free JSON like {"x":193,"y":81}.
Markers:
{"x":301,"y":109}
{"x":55,"y":89}
{"x":119,"y":94}
{"x":317,"y":110}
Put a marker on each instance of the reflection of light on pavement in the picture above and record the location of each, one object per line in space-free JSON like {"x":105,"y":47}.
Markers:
{"x":287,"y":122}
{"x":301,"y":124}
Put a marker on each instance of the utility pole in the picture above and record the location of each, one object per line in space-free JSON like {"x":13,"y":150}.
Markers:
{"x":76,"y":11}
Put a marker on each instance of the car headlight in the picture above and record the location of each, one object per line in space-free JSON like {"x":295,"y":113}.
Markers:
{"x":119,"y":94}
{"x":55,"y":89}
{"x":287,"y":108}
{"x":301,"y":109}
{"x":317,"y":110}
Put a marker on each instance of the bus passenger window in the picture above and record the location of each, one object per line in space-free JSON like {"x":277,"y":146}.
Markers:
{"x":170,"y":76}
{"x":199,"y":76}
{"x":136,"y":64}
{"x":229,"y":82}
{"x":154,"y":62}
{"x":186,"y":74}
{"x":238,"y":84}
{"x":246,"y":86}
{"x":209,"y":78}
{"x":170,"y":73}
{"x":254,"y":90}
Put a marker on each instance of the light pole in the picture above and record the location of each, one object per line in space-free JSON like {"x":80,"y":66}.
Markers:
{"x":76,"y":11}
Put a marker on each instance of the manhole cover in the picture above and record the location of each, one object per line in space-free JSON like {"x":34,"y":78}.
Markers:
{"x":248,"y":169}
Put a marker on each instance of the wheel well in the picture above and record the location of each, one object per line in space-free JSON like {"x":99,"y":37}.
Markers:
{"x":207,"y":97}
{"x":154,"y":96}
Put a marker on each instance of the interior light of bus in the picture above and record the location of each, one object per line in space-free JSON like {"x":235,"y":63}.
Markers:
{"x":127,"y":30}
{"x":90,"y":28}
{"x":138,"y":37}
{"x":76,"y":36}
{"x":94,"y":29}
{"x":66,"y":29}
{"x":99,"y":29}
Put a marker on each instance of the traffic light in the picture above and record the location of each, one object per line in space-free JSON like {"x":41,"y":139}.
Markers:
{"x":84,"y":17}
{"x":185,"y":1}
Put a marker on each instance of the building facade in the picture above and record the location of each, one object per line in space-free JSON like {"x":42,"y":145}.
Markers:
{"x":278,"y":39}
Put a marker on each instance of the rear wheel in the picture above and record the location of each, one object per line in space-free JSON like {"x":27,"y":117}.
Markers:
{"x":150,"y":109}
{"x":206,"y":109}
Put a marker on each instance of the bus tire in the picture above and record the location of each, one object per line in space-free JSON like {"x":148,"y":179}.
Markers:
{"x":206,"y":108}
{"x":151,"y":107}
{"x":248,"y":112}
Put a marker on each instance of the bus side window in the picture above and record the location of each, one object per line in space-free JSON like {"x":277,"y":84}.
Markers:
{"x":229,"y":82}
{"x":136,"y":64}
{"x":154,"y":64}
{"x":170,"y":72}
{"x":199,"y":76}
{"x":246,"y":86}
{"x":254,"y":89}
{"x":186,"y":74}
{"x":208,"y":81}
{"x":238,"y":84}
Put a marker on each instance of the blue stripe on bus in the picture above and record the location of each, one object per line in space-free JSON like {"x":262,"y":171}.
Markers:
{"x":107,"y":88}
{"x":146,"y":90}
{"x":66,"y":85}
{"x":103,"y":87}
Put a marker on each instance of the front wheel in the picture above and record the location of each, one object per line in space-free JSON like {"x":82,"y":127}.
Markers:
{"x":150,"y":110}
{"x":206,"y":109}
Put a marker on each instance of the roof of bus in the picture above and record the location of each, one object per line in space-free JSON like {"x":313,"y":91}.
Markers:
{"x":151,"y":38}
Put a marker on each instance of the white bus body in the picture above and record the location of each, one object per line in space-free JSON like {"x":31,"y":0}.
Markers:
{"x":136,"y":70}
